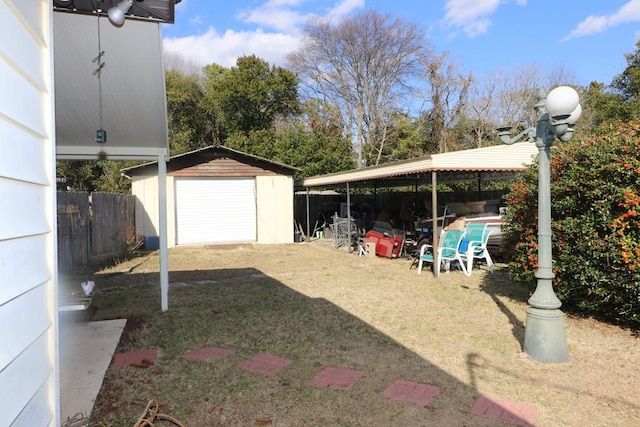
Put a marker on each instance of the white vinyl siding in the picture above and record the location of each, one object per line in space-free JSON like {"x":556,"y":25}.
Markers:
{"x":215,"y":210}
{"x":28,"y":327}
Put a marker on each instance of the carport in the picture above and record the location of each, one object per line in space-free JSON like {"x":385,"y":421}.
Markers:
{"x":478,"y":164}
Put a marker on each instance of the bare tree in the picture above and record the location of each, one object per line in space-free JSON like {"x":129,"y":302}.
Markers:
{"x":176,"y":62}
{"x":561,"y":74}
{"x":448,"y":95}
{"x":480,"y":110}
{"x":507,"y":97}
{"x":500,"y":98}
{"x":365,"y":65}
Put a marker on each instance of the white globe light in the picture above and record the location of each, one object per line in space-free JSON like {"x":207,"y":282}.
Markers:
{"x":575,"y":115}
{"x":562,"y":101}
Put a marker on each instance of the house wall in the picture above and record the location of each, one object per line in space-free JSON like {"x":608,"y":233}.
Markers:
{"x":29,"y":391}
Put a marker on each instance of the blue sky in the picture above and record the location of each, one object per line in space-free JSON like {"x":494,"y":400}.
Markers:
{"x":588,"y":37}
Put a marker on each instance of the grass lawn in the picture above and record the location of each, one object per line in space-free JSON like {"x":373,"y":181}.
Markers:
{"x":320,"y":307}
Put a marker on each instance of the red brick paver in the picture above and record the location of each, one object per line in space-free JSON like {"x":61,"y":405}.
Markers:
{"x":207,"y":353}
{"x":337,"y":378}
{"x":138,"y":358}
{"x":265,"y":364}
{"x":408,"y":391}
{"x":503,"y":410}
{"x":344,"y":379}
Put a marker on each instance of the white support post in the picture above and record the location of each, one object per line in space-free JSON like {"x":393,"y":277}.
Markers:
{"x":434,"y":220}
{"x":162,"y":208}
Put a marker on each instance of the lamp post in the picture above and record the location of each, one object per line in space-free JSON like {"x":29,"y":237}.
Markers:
{"x":557,"y":114}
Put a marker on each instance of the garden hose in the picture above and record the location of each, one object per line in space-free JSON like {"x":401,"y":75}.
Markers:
{"x":151,"y":414}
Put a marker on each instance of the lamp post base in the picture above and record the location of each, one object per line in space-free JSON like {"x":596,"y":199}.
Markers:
{"x":544,"y":337}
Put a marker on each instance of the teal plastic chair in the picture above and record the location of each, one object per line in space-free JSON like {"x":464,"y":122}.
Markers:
{"x":476,"y":236}
{"x":448,"y":252}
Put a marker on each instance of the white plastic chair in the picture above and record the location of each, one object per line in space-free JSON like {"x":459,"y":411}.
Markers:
{"x":477,"y":236}
{"x":448,"y":252}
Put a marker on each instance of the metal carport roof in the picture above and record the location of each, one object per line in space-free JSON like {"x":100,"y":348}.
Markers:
{"x":495,"y":162}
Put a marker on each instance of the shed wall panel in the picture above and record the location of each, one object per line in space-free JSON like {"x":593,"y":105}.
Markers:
{"x":145,"y":188}
{"x":274,"y":209}
{"x":147,"y":221}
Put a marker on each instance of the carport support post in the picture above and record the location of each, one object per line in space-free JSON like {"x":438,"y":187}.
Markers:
{"x":162,"y":208}
{"x":308,"y":239}
{"x":434,"y":219}
{"x":348,"y":219}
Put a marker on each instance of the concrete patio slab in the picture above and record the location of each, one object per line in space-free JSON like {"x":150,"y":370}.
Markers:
{"x":86,"y":350}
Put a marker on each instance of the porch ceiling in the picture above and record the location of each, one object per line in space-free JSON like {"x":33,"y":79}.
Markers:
{"x":127,"y":98}
{"x":152,"y":10}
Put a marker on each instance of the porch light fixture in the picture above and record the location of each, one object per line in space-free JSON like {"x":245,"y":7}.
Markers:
{"x":116,"y":13}
{"x":545,"y":338}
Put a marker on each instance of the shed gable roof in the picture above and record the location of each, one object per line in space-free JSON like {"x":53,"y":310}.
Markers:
{"x":216,"y":161}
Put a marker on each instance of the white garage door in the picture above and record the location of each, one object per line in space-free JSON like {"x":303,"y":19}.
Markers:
{"x":215,"y":210}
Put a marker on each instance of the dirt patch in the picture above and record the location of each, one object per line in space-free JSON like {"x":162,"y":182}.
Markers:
{"x":320,"y":307}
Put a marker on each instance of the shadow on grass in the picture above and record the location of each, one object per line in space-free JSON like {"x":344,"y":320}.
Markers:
{"x":251,"y":313}
{"x":500,"y":287}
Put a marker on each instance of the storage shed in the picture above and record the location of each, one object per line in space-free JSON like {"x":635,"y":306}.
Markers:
{"x":216,"y":195}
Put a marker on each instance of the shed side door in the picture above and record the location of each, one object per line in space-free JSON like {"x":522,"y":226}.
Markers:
{"x":215,"y":210}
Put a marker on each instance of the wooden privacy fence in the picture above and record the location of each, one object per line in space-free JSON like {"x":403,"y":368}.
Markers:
{"x":94,"y":226}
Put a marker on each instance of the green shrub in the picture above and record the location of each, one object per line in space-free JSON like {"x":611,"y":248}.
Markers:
{"x":595,"y":199}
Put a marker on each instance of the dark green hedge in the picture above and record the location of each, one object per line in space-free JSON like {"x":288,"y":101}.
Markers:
{"x":595,"y":193}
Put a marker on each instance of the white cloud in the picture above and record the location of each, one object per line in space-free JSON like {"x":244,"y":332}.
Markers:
{"x":472,"y":16}
{"x":278,"y":23}
{"x":277,"y":18}
{"x":277,"y":3}
{"x":344,"y":8}
{"x":286,"y":16}
{"x":597,"y":23}
{"x":223,"y":49}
